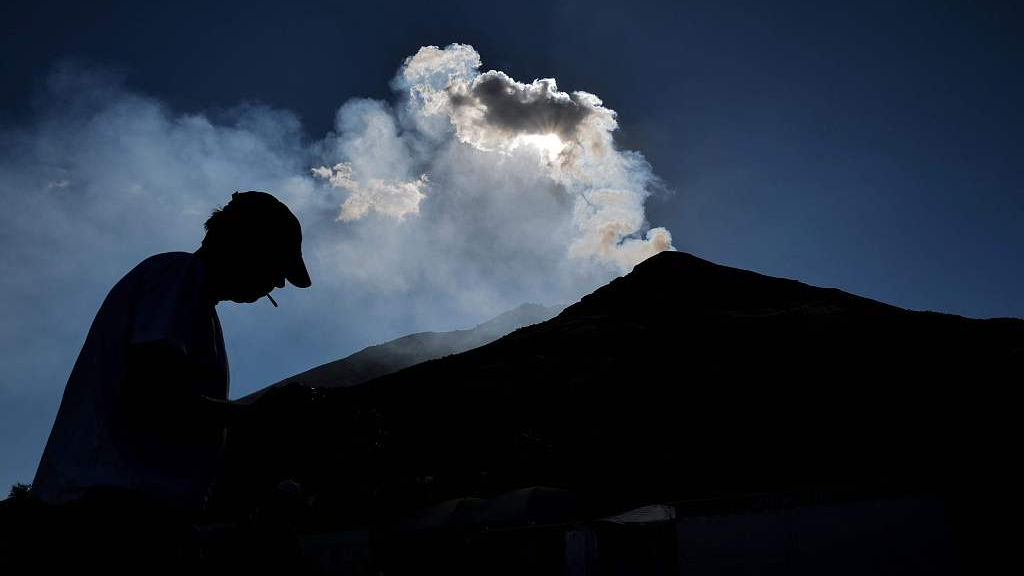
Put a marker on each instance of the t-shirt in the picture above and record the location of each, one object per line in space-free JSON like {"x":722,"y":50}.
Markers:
{"x":93,"y":444}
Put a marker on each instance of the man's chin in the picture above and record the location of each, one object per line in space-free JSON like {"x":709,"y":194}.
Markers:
{"x":246,"y":299}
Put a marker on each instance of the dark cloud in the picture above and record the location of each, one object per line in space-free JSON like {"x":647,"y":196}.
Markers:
{"x":537,"y":108}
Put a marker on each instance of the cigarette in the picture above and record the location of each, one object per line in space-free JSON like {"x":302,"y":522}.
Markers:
{"x":272,"y":300}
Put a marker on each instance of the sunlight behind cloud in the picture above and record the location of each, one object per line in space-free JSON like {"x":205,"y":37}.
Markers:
{"x":550,"y":145}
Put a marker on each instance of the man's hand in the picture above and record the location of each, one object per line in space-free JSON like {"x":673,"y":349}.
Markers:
{"x":285,"y":396}
{"x":223,"y":412}
{"x":278,"y":398}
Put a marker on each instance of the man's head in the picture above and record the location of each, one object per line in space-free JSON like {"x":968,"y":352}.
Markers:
{"x":256,"y":244}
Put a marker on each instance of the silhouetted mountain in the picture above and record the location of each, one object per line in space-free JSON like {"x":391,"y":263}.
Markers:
{"x":375,"y":361}
{"x":683,"y":379}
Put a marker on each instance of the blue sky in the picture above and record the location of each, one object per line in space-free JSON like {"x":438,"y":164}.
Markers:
{"x":874,"y":147}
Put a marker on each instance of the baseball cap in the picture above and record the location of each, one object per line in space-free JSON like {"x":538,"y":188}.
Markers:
{"x":275,"y":223}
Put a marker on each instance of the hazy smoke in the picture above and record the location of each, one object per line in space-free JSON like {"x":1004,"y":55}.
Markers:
{"x":467,"y":195}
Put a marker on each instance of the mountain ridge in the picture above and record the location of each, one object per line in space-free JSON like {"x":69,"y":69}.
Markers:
{"x":682,"y":379}
{"x":391,"y":356}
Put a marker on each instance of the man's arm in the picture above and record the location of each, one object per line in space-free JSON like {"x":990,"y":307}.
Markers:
{"x":159,"y":390}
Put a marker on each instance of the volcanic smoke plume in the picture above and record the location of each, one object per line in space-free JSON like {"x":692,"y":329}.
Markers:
{"x":474,"y":135}
{"x":464,"y":196}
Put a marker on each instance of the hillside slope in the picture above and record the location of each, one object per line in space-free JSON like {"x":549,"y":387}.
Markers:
{"x":683,"y":379}
{"x":394,"y":355}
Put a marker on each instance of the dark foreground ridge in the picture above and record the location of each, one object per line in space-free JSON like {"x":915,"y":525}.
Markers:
{"x":683,"y":380}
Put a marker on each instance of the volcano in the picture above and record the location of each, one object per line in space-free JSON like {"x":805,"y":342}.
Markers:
{"x":682,"y":380}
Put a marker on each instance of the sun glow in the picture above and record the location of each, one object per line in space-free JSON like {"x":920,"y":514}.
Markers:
{"x":549,"y":144}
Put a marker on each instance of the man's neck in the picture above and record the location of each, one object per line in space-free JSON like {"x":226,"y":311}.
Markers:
{"x":211,"y":270}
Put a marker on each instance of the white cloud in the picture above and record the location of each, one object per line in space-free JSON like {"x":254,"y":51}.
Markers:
{"x":447,"y":103}
{"x":390,"y":198}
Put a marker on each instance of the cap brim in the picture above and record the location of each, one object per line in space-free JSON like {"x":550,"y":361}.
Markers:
{"x":298,"y":276}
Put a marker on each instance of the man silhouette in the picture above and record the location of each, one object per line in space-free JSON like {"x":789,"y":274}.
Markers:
{"x":140,"y":429}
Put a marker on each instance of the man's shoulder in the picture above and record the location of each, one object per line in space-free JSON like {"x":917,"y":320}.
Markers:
{"x":165,"y":263}
{"x":161,"y":271}
{"x":169,"y":259}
